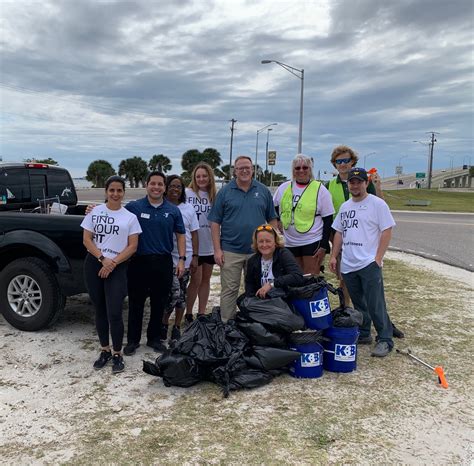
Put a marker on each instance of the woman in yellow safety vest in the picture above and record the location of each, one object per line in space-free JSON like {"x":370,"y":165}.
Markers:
{"x":305,"y":209}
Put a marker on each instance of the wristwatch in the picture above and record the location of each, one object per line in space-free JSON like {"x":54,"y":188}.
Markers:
{"x":101,"y":258}
{"x":195,"y":255}
{"x":182,"y":258}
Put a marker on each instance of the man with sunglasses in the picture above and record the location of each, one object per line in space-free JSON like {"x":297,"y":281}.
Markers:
{"x":306,"y":213}
{"x":240,"y":207}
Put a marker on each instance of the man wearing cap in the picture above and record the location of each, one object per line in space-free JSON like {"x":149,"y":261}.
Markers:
{"x":363,"y":228}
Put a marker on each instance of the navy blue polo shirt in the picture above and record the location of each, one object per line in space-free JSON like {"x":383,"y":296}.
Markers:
{"x":159,"y":224}
{"x":239,"y":212}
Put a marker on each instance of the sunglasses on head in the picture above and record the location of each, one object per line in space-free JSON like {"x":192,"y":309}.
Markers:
{"x":304,"y":167}
{"x":339,"y":161}
{"x":265,"y":227}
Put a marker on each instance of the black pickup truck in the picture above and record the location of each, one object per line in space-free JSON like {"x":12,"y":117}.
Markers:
{"x":41,"y":254}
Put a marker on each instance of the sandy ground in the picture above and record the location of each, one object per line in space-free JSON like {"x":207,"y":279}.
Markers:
{"x":51,"y":398}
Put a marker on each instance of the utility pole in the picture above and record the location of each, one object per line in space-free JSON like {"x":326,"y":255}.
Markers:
{"x":233,"y":121}
{"x":430,"y":162}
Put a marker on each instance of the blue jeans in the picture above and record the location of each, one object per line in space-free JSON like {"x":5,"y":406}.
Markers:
{"x":365,"y":288}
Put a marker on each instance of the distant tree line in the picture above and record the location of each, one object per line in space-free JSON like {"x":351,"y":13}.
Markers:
{"x":135,"y":169}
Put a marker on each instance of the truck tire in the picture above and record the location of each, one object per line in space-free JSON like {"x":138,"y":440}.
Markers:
{"x":30,"y":298}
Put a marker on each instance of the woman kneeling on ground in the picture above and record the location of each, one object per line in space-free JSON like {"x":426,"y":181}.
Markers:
{"x":111,"y":238}
{"x":272,"y":265}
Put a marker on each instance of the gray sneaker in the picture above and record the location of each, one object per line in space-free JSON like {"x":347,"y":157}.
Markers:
{"x":381,"y":349}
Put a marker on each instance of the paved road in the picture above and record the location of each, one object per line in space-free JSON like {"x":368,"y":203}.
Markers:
{"x":444,"y":237}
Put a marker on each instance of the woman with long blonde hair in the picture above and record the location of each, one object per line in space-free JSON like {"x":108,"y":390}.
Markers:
{"x":201,"y":194}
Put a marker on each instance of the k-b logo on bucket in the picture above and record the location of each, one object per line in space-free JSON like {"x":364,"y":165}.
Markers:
{"x":310,"y":359}
{"x":345,"y":353}
{"x":319,"y":308}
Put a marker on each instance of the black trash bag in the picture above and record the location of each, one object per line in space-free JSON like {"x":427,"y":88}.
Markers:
{"x":312,"y":286}
{"x":258,"y":334}
{"x":266,"y":358}
{"x":346,"y":317}
{"x":274,"y":313}
{"x":176,"y":369}
{"x":236,"y":375}
{"x":306,"y":337}
{"x":206,"y":340}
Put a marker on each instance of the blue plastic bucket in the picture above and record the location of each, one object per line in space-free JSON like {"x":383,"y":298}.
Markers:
{"x":316,"y":311}
{"x":340,"y":352}
{"x":310,"y":364}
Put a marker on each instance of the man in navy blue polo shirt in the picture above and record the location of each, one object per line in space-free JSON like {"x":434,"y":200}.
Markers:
{"x":150,"y":271}
{"x":239,"y":208}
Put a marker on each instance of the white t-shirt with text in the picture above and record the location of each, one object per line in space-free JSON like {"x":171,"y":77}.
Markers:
{"x":323,"y":209}
{"x":267,"y":271}
{"x":202,"y":206}
{"x":361,"y":225}
{"x":111,"y":229}
{"x":190,"y":224}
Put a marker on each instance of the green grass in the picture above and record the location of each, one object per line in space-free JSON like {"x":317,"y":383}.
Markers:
{"x":441,"y":201}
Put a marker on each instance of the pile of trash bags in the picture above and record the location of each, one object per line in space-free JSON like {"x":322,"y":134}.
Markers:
{"x":247,"y":352}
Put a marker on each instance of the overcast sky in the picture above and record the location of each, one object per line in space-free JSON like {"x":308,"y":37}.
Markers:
{"x":86,"y":80}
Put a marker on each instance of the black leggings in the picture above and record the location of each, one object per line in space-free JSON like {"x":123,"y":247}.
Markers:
{"x":107,"y":295}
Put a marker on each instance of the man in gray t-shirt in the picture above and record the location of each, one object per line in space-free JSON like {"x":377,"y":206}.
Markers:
{"x":239,"y":208}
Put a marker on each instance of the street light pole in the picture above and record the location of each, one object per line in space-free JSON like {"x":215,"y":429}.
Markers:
{"x":256,"y":148}
{"x":266,"y":149}
{"x":365,"y":157}
{"x":299,"y":73}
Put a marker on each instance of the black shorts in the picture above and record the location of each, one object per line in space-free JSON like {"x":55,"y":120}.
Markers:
{"x":306,"y":250}
{"x":206,"y":260}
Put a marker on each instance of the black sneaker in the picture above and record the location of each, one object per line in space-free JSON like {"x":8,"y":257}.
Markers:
{"x":164,"y":332}
{"x":130,"y":349}
{"x":104,"y":358}
{"x":117,"y":364}
{"x":157,"y":346}
{"x":365,"y":340}
{"x":189,"y":318}
{"x":397,"y":333}
{"x":175,"y":333}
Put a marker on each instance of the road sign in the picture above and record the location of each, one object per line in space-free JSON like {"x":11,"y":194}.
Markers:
{"x":399,"y":170}
{"x":420,"y":175}
{"x":272,"y":155}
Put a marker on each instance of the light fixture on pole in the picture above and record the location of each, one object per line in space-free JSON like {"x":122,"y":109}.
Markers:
{"x":300,"y":75}
{"x":256,"y":147}
{"x":367,"y":155}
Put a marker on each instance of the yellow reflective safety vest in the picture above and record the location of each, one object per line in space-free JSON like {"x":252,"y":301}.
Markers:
{"x":301,"y":215}
{"x":337,"y":193}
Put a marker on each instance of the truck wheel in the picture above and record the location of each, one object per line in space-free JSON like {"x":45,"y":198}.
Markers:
{"x":30,"y":298}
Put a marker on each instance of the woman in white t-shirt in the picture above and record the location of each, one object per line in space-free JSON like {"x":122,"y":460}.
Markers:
{"x":111,"y":238}
{"x":201,"y":194}
{"x":177,"y":300}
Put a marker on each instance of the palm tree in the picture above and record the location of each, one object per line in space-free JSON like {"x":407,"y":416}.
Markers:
{"x":160,"y":162}
{"x":134,"y":170}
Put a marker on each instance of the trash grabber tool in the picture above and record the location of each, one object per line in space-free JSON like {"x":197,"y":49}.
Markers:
{"x":438,"y":370}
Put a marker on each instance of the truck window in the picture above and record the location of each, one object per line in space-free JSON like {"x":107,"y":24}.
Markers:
{"x":60,"y":184}
{"x":38,"y":187}
{"x":14,"y":186}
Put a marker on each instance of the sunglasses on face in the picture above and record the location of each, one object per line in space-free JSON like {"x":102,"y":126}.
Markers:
{"x":301,"y":168}
{"x":265,"y":227}
{"x":340,"y":161}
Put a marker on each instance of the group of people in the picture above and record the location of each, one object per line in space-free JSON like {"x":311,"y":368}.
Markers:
{"x":164,"y":247}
